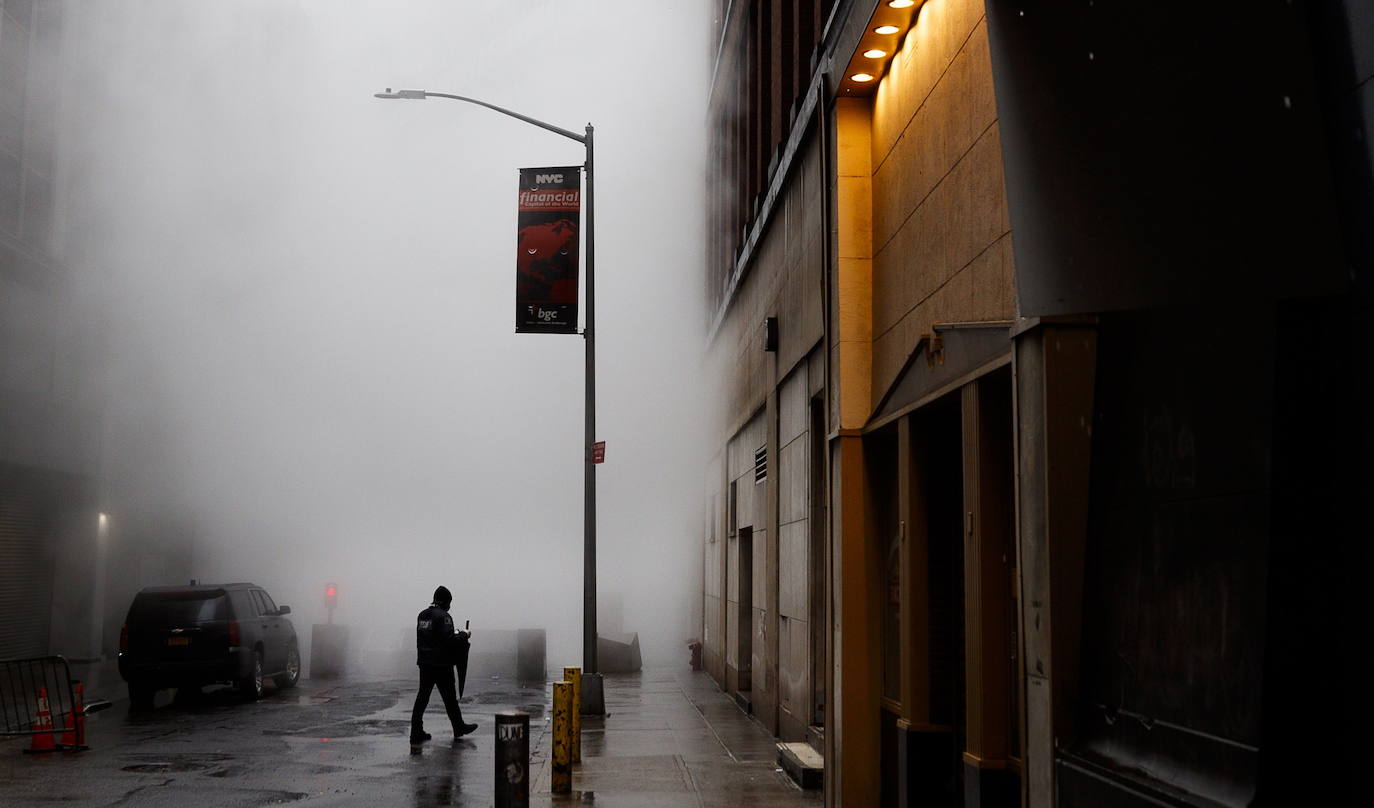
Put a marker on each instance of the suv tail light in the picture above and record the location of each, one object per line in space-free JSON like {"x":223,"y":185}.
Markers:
{"x":124,"y":637}
{"x":234,"y":636}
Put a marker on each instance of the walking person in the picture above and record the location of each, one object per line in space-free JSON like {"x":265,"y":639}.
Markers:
{"x":436,"y":646}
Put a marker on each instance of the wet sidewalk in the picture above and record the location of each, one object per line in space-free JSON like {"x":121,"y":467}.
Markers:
{"x":671,"y":739}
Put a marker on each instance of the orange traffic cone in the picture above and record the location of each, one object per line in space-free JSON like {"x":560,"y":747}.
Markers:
{"x":75,"y":724}
{"x":74,"y":739}
{"x":42,"y":738}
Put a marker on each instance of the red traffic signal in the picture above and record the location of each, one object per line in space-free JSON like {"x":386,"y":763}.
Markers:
{"x":331,"y":596}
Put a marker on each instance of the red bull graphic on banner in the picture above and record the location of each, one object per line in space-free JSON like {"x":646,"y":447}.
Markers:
{"x":550,"y":217}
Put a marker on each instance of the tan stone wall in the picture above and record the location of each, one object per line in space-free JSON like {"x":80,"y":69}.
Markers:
{"x":794,"y":555}
{"x":713,"y":567}
{"x":941,"y":234}
{"x":787,"y":281}
{"x":852,"y":336}
{"x":742,"y":627}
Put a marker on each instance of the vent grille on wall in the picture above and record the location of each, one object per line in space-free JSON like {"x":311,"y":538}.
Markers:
{"x":760,"y":464}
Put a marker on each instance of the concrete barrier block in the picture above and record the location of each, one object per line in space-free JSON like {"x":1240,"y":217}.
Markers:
{"x":328,"y":649}
{"x":618,"y":653}
{"x":530,"y":655}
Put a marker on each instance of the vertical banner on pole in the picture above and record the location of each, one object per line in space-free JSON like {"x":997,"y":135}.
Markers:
{"x":549,"y":221}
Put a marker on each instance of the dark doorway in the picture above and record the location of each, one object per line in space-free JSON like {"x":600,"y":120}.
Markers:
{"x":818,"y":552}
{"x":991,"y":652}
{"x":999,"y":434}
{"x":881,"y":456}
{"x":938,"y":430}
{"x":745,"y":650}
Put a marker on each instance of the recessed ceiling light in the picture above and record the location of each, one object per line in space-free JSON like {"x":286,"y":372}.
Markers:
{"x":861,"y":77}
{"x":875,"y":53}
{"x":902,"y":3}
{"x":886,"y":29}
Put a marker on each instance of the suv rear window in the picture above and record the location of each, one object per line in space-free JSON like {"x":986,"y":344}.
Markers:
{"x":179,"y":608}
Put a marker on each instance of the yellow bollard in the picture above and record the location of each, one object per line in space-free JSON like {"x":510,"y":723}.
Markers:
{"x":561,"y":779}
{"x":574,"y":677}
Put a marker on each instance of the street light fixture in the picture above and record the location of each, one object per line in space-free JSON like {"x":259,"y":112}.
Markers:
{"x":589,"y":335}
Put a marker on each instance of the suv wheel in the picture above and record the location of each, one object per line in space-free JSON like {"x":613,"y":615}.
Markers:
{"x":141,"y":697}
{"x":251,"y":685}
{"x":293,"y":669}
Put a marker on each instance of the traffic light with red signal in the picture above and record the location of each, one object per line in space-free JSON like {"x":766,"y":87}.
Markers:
{"x":331,"y":599}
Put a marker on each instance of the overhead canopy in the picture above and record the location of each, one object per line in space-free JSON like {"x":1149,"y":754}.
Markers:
{"x":1161,"y":154}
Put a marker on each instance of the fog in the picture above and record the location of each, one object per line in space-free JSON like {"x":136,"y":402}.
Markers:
{"x":303,"y":303}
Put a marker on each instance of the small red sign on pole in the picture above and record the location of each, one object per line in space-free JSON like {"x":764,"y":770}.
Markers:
{"x":599,"y":452}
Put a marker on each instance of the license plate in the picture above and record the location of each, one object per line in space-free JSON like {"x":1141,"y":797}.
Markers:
{"x":178,"y":640}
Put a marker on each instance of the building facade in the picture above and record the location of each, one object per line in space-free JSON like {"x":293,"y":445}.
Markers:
{"x":75,"y":539}
{"x":1022,"y":465}
{"x":49,"y":437}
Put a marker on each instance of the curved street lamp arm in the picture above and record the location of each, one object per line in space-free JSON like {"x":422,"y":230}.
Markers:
{"x":589,"y":637}
{"x":527,"y":119}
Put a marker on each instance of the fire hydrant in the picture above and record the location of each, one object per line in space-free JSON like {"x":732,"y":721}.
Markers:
{"x":695,"y":647}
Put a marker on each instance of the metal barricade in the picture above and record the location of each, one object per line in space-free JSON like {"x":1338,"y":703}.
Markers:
{"x":39,"y":699}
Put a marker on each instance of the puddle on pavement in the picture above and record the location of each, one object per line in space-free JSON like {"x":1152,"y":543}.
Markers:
{"x":210,"y":764}
{"x":159,"y":764}
{"x":159,"y":768}
{"x":346,"y":728}
{"x":378,"y":726}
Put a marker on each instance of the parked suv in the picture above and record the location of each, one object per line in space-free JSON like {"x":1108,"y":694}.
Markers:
{"x":192,"y":636}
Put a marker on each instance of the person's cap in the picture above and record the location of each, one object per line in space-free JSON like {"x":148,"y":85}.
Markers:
{"x":442,"y":595}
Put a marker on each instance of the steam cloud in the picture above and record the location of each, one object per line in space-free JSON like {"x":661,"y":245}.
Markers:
{"x":304,"y":298}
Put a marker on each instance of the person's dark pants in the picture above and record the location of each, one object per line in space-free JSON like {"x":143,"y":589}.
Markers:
{"x":431,"y":677}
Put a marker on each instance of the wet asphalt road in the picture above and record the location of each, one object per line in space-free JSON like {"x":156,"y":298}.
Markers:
{"x":670,"y":740}
{"x":322,"y":743}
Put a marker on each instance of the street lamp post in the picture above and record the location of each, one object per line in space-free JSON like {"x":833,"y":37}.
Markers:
{"x":589,"y":335}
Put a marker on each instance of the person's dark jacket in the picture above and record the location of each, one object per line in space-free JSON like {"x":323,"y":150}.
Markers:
{"x":435,"y":641}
